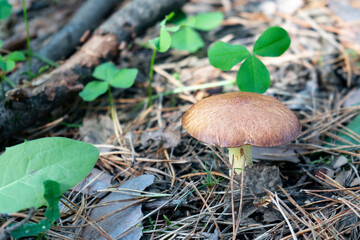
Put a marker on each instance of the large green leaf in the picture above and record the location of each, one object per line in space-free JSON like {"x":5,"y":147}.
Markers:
{"x":5,"y":9}
{"x":93,"y":89}
{"x":105,"y":71}
{"x":187,"y":39}
{"x":272,"y":43}
{"x":224,"y":55}
{"x":253,"y":76}
{"x":208,"y":21}
{"x":24,"y":168}
{"x":125,"y":78}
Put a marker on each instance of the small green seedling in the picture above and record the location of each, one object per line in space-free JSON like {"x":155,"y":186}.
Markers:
{"x":5,"y":12}
{"x":187,"y":38}
{"x":7,"y":63}
{"x":183,"y":37}
{"x":253,"y":75}
{"x":5,"y":9}
{"x":52,"y":194}
{"x":109,"y":76}
{"x":161,"y":44}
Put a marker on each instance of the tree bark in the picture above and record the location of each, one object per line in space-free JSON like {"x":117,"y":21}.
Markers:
{"x":24,"y":106}
{"x":63,"y":43}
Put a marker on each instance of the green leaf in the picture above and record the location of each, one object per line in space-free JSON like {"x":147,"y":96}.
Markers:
{"x":5,"y":9}
{"x":31,"y":229}
{"x":43,"y":69}
{"x":224,"y":55}
{"x":1,"y":43}
{"x":208,"y":21}
{"x":155,"y":42}
{"x":187,"y":39}
{"x":125,"y":78}
{"x":8,"y":65}
{"x":272,"y":43}
{"x":24,"y":168}
{"x":170,"y":16}
{"x":16,"y":56}
{"x":253,"y":76}
{"x":172,"y":28}
{"x":105,"y":71}
{"x":166,"y":19}
{"x":52,"y":195}
{"x":178,"y":19}
{"x":354,"y":127}
{"x":190,"y":22}
{"x":93,"y":89}
{"x":164,"y":40}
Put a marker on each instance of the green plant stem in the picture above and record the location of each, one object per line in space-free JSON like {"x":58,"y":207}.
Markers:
{"x":2,"y":83}
{"x":45,"y":60}
{"x":27,"y":38}
{"x":111,"y":102}
{"x":191,"y":88}
{"x":151,"y":71}
{"x":9,"y":82}
{"x":195,"y":88}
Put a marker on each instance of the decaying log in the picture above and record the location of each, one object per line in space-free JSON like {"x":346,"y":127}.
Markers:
{"x":23,"y":107}
{"x":63,"y":43}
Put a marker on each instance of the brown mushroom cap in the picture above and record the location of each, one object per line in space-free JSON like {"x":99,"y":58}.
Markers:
{"x":234,"y":119}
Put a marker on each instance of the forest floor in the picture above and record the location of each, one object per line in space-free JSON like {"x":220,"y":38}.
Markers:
{"x":180,"y":187}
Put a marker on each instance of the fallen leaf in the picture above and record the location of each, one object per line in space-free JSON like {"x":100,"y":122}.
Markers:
{"x":99,"y":180}
{"x":120,"y":222}
{"x":169,"y":137}
{"x":97,"y":130}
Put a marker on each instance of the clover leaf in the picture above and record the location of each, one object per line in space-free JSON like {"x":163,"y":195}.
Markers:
{"x":187,"y":38}
{"x":110,"y":76}
{"x":253,"y":75}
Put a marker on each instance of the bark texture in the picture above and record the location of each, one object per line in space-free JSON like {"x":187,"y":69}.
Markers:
{"x":63,"y":43}
{"x":24,"y":106}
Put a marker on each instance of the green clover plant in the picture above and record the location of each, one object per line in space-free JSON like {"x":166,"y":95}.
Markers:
{"x":5,"y":12}
{"x":187,"y":38}
{"x":253,"y":75}
{"x":7,"y":63}
{"x":109,"y":76}
{"x":161,"y":44}
{"x":183,"y":37}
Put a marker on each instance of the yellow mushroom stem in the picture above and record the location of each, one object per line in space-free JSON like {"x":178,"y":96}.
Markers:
{"x":241,"y":155}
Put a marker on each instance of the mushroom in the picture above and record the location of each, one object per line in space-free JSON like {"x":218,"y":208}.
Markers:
{"x":240,"y":120}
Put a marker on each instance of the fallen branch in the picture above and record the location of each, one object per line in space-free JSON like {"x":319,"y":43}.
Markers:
{"x":24,"y":106}
{"x":63,"y":43}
